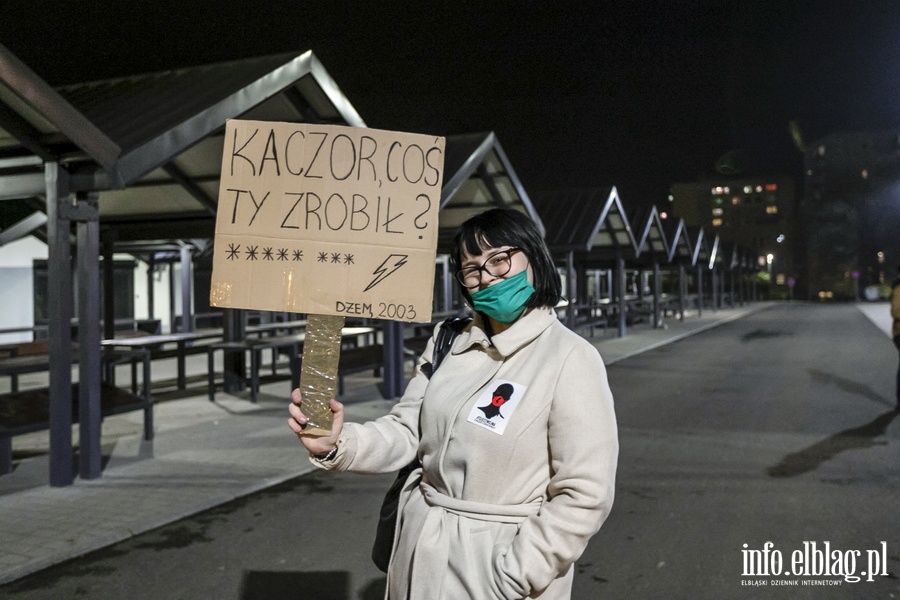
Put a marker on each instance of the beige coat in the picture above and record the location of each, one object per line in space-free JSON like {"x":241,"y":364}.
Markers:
{"x":516,"y":478}
{"x":895,"y":308}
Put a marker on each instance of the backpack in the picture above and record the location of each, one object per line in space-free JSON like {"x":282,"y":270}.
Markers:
{"x":387,"y":516}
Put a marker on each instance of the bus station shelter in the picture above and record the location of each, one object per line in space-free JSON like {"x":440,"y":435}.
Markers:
{"x":132,"y":165}
{"x":130,"y":162}
{"x":588,"y":229}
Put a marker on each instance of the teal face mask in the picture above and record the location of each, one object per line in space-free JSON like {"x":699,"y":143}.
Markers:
{"x":504,"y":301}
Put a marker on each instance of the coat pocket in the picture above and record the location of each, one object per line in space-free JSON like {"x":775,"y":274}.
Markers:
{"x":472,"y":563}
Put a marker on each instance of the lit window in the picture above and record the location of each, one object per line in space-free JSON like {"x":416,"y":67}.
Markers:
{"x":717,"y":222}
{"x":748,"y":189}
{"x":771,"y":187}
{"x":735,"y":200}
{"x":726,"y":190}
{"x":717,"y":212}
{"x":865,"y":174}
{"x":772,"y":210}
{"x":758,"y":188}
{"x":713,"y":191}
{"x":718,"y":201}
{"x":671,"y":198}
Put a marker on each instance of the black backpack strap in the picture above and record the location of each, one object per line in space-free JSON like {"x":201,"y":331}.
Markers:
{"x":450,"y":328}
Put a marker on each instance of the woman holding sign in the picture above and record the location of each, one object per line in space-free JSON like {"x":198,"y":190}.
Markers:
{"x":516,"y":434}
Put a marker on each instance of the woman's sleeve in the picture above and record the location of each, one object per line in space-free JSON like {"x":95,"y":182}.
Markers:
{"x":389,"y":442}
{"x":584,"y":450}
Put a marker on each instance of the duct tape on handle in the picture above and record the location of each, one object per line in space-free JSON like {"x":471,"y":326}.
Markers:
{"x":318,"y":375}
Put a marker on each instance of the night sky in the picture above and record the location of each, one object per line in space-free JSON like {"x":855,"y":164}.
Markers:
{"x":636,"y":94}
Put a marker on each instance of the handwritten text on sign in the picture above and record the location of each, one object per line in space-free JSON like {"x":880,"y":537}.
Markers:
{"x":327,"y":220}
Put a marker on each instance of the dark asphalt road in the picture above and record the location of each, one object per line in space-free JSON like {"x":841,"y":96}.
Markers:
{"x":778,"y":427}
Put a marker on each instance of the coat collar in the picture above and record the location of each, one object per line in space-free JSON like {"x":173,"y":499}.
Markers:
{"x":523,"y":331}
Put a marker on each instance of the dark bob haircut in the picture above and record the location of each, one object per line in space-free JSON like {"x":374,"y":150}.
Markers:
{"x":506,"y":227}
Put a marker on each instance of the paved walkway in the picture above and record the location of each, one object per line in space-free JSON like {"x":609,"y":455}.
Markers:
{"x":205,"y":454}
{"x":879,"y":313}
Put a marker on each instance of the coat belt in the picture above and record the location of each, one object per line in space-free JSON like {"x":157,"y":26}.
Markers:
{"x":433,"y":535}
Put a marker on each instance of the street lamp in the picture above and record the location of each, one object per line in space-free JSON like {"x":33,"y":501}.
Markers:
{"x":769,"y":259}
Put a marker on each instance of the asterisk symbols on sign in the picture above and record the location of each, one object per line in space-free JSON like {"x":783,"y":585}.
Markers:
{"x":323,"y":257}
{"x":335,"y":257}
{"x":267,"y":254}
{"x":233,"y":251}
{"x":251,"y":253}
{"x":298,"y":255}
{"x":348,"y":259}
{"x":282,"y":254}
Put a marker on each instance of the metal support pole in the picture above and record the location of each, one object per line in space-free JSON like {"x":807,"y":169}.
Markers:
{"x":620,"y":277}
{"x":448,"y":286}
{"x":172,"y":313}
{"x":657,"y":290}
{"x":713,"y":289}
{"x":394,"y":381}
{"x":59,"y":310}
{"x":699,"y":290}
{"x":681,"y":292}
{"x":572,"y":291}
{"x":728,"y":282}
{"x":722,"y":289}
{"x":151,"y":266}
{"x":89,"y":416}
{"x":742,"y":285}
{"x":233,"y":363}
{"x":186,"y":280}
{"x":109,"y":290}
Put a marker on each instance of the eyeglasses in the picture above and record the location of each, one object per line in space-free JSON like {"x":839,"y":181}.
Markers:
{"x":497,"y":264}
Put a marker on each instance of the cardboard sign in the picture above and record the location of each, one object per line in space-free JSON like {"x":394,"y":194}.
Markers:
{"x":327,"y":220}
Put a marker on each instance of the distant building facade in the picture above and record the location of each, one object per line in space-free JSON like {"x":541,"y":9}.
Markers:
{"x":851,"y":209}
{"x":757,"y":213}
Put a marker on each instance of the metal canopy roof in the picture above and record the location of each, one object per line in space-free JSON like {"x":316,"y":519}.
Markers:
{"x":589,"y":222}
{"x":478,"y":176}
{"x":653,"y":240}
{"x":151,"y":145}
{"x":715,"y":255}
{"x":36,"y":122}
{"x":680,"y":249}
{"x":702,"y":256}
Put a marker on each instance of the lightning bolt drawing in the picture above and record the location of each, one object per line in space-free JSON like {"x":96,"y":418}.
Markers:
{"x":383,"y":271}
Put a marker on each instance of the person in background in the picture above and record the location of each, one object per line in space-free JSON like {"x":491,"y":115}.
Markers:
{"x":516,"y":434}
{"x":895,"y":313}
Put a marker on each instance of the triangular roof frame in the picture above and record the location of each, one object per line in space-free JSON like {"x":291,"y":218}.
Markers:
{"x":608,"y":223}
{"x":653,"y":237}
{"x":591,"y":222}
{"x":715,"y":254}
{"x":167,"y":143}
{"x":478,"y":176}
{"x":44,"y":122}
{"x":734,"y":257}
{"x":160,"y":153}
{"x":702,"y":253}
{"x":680,"y":248}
